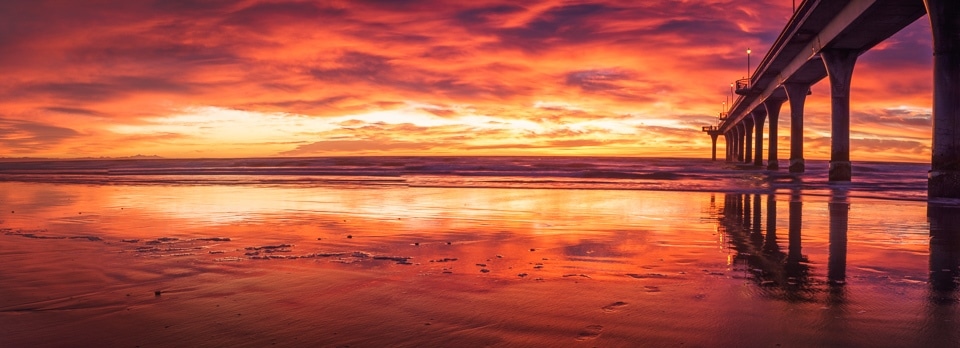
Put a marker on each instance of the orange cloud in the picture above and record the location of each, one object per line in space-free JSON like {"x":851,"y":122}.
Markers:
{"x":275,"y":77}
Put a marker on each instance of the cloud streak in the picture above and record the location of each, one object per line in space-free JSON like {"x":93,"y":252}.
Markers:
{"x":186,"y":78}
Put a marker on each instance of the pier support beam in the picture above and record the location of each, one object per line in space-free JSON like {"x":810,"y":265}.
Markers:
{"x":735,"y":151}
{"x":713,"y":138}
{"x":726,"y":147}
{"x":738,"y":143}
{"x":944,"y":178}
{"x":729,"y":149}
{"x":773,"y":112}
{"x":748,"y":131}
{"x":759,"y":116}
{"x":797,"y":95}
{"x":740,"y":134}
{"x":733,"y":144}
{"x":839,"y":64}
{"x":730,"y":144}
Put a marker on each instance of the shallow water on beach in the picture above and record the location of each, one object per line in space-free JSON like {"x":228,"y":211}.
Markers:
{"x":354,"y":265}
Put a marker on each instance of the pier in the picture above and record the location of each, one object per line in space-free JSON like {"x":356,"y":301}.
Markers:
{"x":823,"y":39}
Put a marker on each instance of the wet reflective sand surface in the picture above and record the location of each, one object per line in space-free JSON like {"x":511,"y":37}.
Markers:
{"x":90,"y":265}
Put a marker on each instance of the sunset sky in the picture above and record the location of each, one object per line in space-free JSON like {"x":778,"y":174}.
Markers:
{"x":221,"y":78}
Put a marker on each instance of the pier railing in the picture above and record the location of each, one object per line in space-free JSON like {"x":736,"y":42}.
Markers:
{"x":743,"y":87}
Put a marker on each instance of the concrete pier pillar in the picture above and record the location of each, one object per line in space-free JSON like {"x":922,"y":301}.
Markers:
{"x":944,"y":178}
{"x":773,"y":112}
{"x":735,"y":137}
{"x":726,"y":146}
{"x":736,"y":143}
{"x":740,"y":142}
{"x":797,"y":95}
{"x":748,"y":142}
{"x":733,"y":144}
{"x":738,"y":150}
{"x":713,"y":138}
{"x":840,"y":65}
{"x":759,"y":116}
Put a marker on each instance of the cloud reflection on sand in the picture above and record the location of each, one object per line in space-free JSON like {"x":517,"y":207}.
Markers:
{"x":474,"y":266}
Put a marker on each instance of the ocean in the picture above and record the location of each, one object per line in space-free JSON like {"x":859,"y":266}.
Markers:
{"x":871,"y":179}
{"x":473,"y":251}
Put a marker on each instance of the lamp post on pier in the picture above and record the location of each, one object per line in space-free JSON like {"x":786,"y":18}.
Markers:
{"x":731,"y":93}
{"x":745,"y":85}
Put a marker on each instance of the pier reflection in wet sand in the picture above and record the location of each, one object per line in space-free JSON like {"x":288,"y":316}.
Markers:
{"x":795,"y":277}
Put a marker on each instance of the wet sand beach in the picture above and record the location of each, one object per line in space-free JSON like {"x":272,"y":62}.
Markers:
{"x":161,"y":266}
